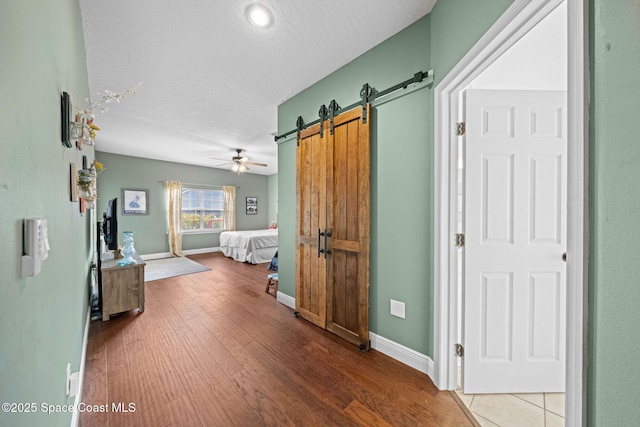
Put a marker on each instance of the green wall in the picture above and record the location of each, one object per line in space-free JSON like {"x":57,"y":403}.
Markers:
{"x":42,"y":318}
{"x":272,"y":187}
{"x":614,"y":291}
{"x":456,"y":26}
{"x":400,"y":257}
{"x":401,"y":193}
{"x":151,"y":230}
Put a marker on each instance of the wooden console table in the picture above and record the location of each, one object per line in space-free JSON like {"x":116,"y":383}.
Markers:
{"x":122,"y":286}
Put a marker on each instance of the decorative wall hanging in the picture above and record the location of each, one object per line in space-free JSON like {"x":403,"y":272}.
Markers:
{"x":135,"y":201}
{"x":86,"y":180}
{"x":73,"y":182}
{"x":65,"y":110}
{"x":252,"y":205}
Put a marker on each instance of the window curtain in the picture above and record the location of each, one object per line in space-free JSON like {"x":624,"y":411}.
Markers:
{"x":229,"y":223}
{"x":173,"y":200}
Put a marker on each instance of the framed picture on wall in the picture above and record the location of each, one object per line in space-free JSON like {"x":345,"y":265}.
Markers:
{"x":252,"y":205}
{"x":135,"y":201}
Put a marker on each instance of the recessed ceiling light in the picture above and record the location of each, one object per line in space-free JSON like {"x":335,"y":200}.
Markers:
{"x":259,"y":15}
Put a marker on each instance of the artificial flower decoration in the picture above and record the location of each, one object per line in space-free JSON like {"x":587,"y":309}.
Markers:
{"x":84,"y":130}
{"x":97,"y":166}
{"x":110,"y":96}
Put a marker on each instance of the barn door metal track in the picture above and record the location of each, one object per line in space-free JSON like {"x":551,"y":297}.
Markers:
{"x":367,"y":95}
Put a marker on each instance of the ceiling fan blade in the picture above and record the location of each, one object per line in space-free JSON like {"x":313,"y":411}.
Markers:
{"x":255,"y":164}
{"x":222,"y":164}
{"x":218,"y":158}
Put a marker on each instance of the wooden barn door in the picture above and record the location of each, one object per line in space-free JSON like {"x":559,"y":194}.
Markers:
{"x":311,"y":218}
{"x":332,"y":268}
{"x":348,"y":224}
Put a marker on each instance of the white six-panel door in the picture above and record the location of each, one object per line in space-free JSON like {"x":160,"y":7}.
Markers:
{"x":515,"y":235}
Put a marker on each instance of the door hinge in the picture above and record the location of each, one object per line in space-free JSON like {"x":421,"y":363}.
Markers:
{"x":460,"y":128}
{"x":460,"y":240}
{"x":459,"y":350}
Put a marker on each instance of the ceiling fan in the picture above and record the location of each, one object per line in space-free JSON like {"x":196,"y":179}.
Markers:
{"x":239,"y":162}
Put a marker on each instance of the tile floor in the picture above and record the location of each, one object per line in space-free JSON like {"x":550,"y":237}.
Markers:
{"x":521,"y":410}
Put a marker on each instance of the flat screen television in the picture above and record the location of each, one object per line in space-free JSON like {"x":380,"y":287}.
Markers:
{"x":110,"y":224}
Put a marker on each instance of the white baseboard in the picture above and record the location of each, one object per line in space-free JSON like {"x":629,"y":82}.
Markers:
{"x":147,"y":257}
{"x":416,"y":360}
{"x":286,"y":300}
{"x":160,"y":255}
{"x":75,"y":417}
{"x":201,"y":251}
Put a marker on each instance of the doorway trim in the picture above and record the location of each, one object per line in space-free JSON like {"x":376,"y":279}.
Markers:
{"x":517,"y":20}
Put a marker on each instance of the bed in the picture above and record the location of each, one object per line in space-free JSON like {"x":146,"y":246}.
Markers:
{"x":253,"y":246}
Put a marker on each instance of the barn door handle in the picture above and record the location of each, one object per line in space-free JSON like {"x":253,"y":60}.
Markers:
{"x":327,"y":251}
{"x":320,"y":251}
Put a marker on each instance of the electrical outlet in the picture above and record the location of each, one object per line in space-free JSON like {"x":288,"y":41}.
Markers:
{"x":397,"y":308}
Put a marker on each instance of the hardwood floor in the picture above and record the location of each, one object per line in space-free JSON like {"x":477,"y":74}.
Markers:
{"x":213,"y":349}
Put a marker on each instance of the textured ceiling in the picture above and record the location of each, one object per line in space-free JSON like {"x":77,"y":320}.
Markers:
{"x":211,"y":82}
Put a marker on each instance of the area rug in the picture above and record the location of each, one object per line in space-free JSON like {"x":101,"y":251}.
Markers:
{"x":157,"y":269}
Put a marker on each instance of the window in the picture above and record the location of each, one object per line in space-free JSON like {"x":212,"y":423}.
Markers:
{"x":202,"y":210}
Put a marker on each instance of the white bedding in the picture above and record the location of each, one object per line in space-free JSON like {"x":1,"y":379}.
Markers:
{"x":254,"y":246}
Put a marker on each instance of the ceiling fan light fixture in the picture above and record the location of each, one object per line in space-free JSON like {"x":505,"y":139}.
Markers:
{"x":239,"y":168}
{"x":259,"y":15}
{"x":239,"y":163}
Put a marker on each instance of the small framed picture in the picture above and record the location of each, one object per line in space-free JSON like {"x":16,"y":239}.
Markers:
{"x":252,"y":205}
{"x":135,"y":201}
